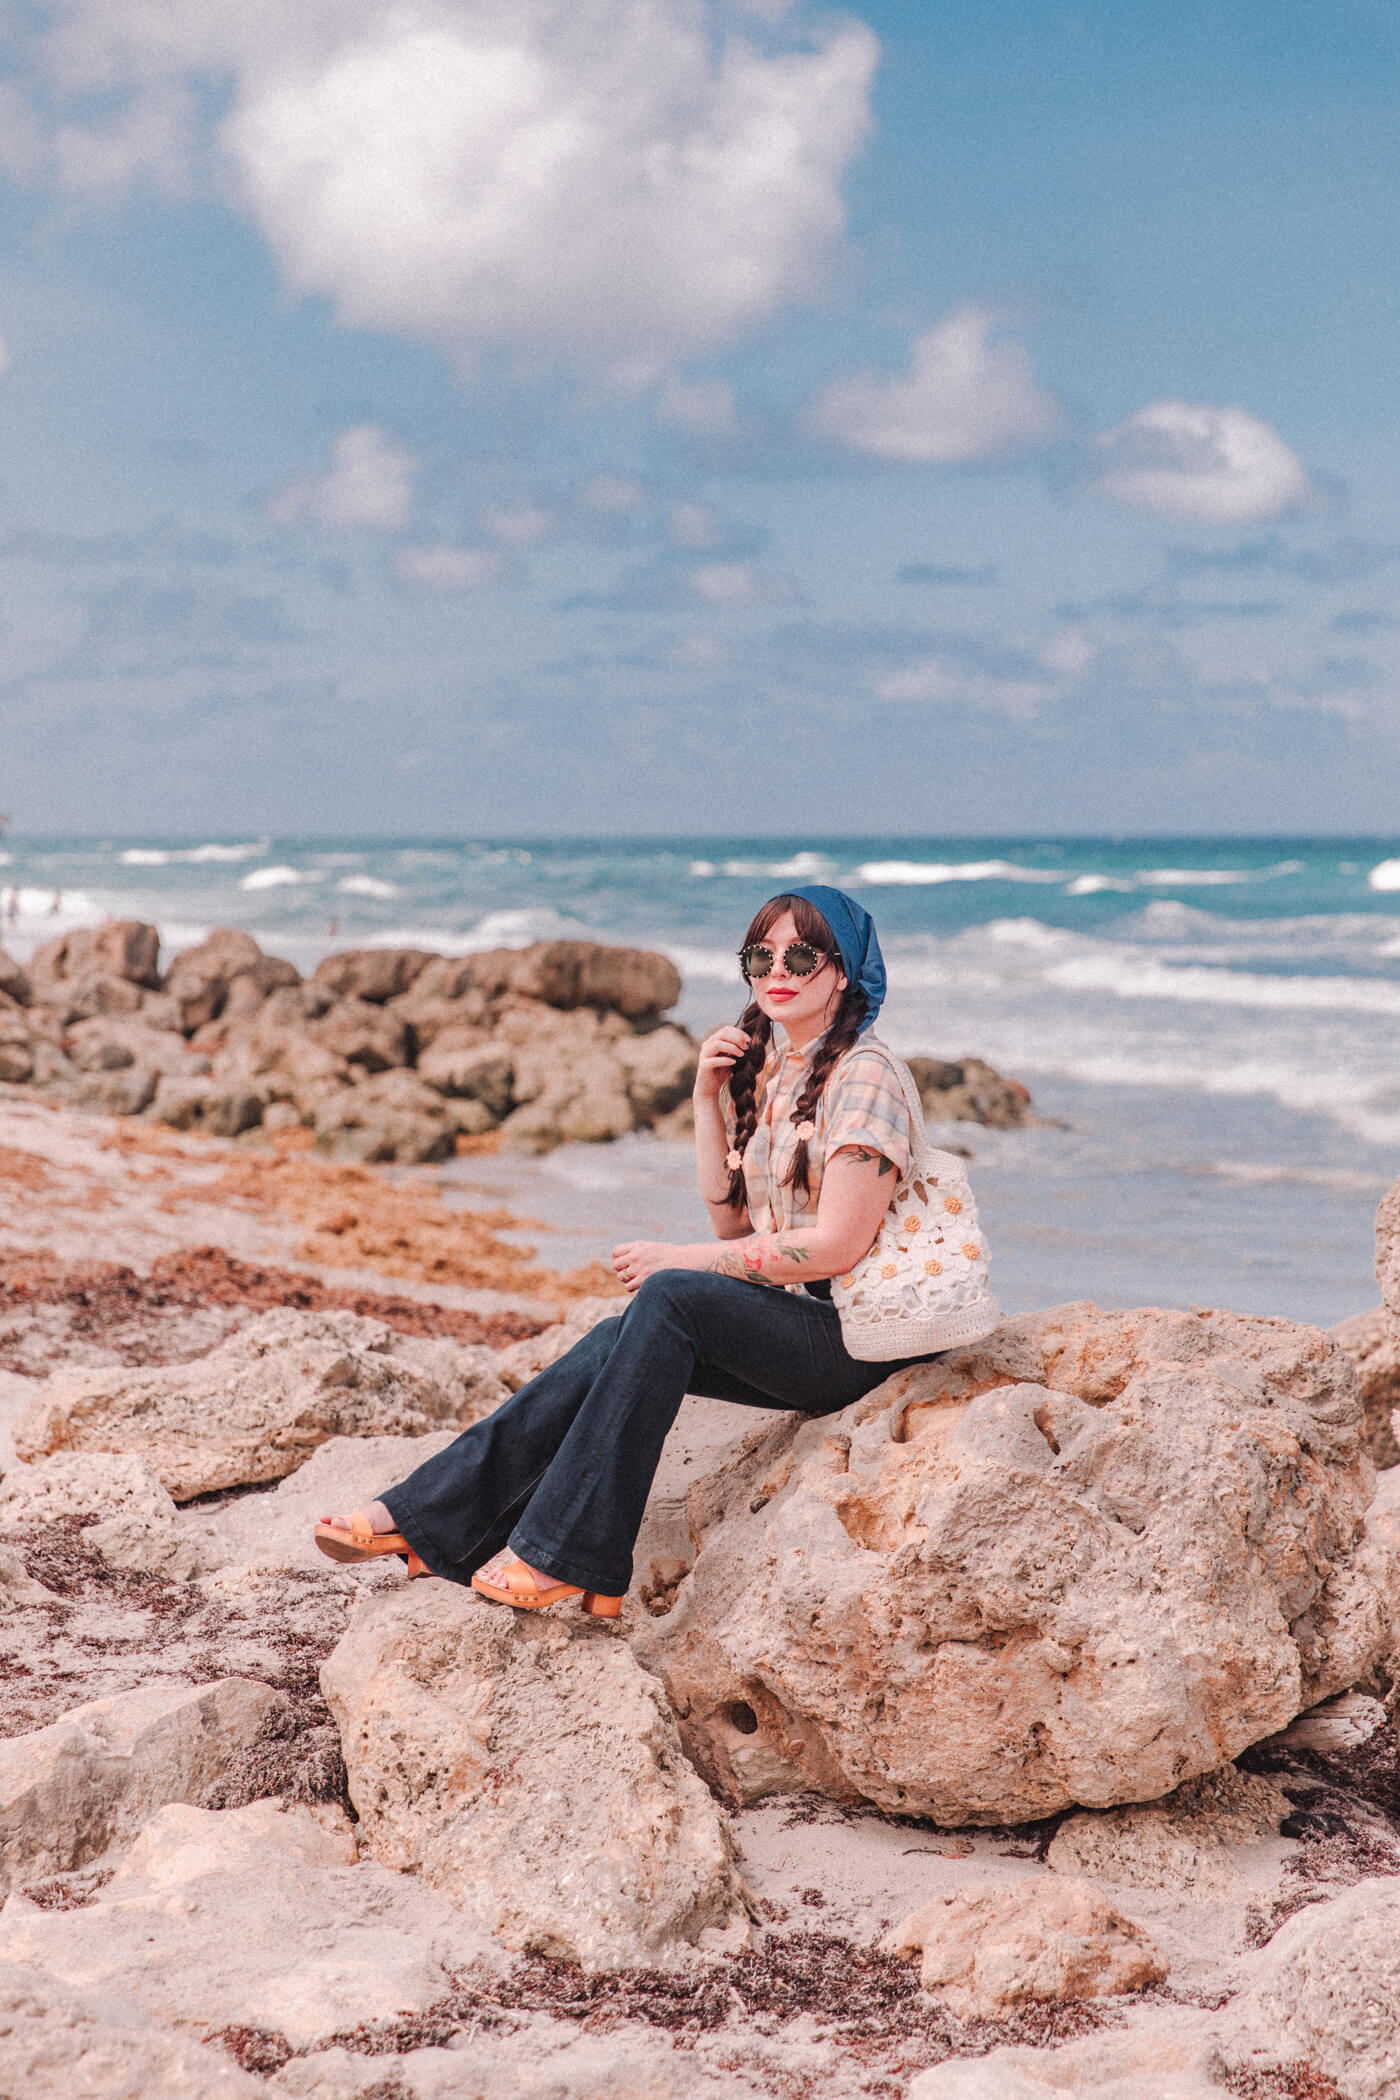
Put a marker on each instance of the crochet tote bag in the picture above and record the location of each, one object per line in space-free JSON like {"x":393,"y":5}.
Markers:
{"x":924,"y":1285}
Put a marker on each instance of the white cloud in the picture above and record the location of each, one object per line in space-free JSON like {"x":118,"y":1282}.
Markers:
{"x":693,"y":525}
{"x":1068,"y":653}
{"x":612,"y":495}
{"x":967,"y":395}
{"x":1220,"y":466}
{"x":370,"y":484}
{"x":740,"y":583}
{"x":447,"y":569}
{"x":520,"y":527}
{"x":622,"y":181}
{"x":931,"y":679}
{"x":707,"y":407}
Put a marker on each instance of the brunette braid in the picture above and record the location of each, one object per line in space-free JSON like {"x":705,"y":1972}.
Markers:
{"x":743,"y":1085}
{"x":839,"y":1038}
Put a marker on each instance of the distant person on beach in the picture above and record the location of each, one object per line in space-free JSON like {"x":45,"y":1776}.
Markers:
{"x":801,"y":1143}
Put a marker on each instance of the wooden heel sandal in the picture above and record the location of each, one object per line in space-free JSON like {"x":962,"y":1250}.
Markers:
{"x":508,"y":1581}
{"x":360,"y":1541}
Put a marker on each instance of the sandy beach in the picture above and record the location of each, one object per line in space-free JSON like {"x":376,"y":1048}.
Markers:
{"x":128,"y":1251}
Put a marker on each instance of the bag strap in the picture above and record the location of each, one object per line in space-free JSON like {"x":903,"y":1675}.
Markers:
{"x":920,"y":1150}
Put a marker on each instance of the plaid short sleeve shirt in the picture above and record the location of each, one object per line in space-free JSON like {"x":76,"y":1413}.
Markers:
{"x":862,"y":1103}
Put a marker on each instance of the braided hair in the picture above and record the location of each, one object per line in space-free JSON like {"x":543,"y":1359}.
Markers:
{"x":839,"y":1038}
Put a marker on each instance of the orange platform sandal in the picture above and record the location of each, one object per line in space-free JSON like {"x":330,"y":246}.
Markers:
{"x":506,"y":1580}
{"x":358,"y":1540}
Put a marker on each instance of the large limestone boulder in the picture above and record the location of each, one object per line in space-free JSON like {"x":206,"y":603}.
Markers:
{"x":393,"y":1117}
{"x":14,"y":982}
{"x":991,"y":1952}
{"x":529,"y":1769}
{"x":1372,"y":1341}
{"x":1081,"y":1562}
{"x":256,"y":1407}
{"x":367,"y":1036}
{"x":634,"y":982}
{"x":226,"y":974}
{"x":1202,"y":1840}
{"x":126,"y":949}
{"x":91,"y":1780}
{"x":1326,"y":1989}
{"x":372,"y":974}
{"x":60,"y":2044}
{"x":16,"y":1049}
{"x":1388,"y":1249}
{"x":275,"y":1530}
{"x":251,"y":1918}
{"x":967,"y":1090}
{"x":568,"y":1081}
{"x":138,"y":1524}
{"x":521,"y":1361}
{"x":111,"y":1042}
{"x":1174,"y":2056}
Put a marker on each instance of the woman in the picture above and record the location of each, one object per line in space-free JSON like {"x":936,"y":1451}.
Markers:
{"x":800,"y":1142}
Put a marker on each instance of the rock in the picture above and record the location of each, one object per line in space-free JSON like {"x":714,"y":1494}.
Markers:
{"x":14,"y":982}
{"x":658,"y":1070}
{"x":59,"y":2044}
{"x":391,"y":1117}
{"x":89,"y":1781}
{"x":470,"y":1070}
{"x":364,"y":1035}
{"x":529,"y":1769}
{"x":111,"y":1042}
{"x":1343,"y":1723}
{"x":1189,"y":1843}
{"x":633,"y":982}
{"x":1173,"y":2057}
{"x":372,"y":974}
{"x":257,"y":1406}
{"x":139,"y":1525}
{"x":274,"y":1530}
{"x":969,"y":1091}
{"x":202,"y":979}
{"x":218,"y":1108}
{"x":1371,"y":1341}
{"x":521,"y":1361}
{"x":242,"y":1918}
{"x":1388,"y":1248}
{"x":1079,"y":1563}
{"x":126,"y":949}
{"x":16,"y":1051}
{"x":569,"y":1084}
{"x":989,"y":1952}
{"x":1326,"y":1990}
{"x":120,"y":1093}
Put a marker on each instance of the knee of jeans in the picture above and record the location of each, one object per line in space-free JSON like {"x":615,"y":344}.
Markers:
{"x":667,"y":1288}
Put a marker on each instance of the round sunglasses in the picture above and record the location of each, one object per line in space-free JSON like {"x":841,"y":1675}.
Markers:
{"x":800,"y":959}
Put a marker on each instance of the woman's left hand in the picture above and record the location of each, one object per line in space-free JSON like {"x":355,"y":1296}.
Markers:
{"x":635,"y":1260}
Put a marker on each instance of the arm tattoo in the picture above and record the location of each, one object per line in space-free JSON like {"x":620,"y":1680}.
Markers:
{"x":863,"y":1158}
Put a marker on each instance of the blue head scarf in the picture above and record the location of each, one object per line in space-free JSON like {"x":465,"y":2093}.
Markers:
{"x":853,"y":931}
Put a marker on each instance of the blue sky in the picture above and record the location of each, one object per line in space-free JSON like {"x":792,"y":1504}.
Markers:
{"x":587,"y":415}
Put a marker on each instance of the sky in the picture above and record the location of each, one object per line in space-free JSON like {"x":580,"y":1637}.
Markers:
{"x":451,"y":417}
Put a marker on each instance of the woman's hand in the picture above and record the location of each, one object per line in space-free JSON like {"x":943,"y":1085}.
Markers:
{"x":635,"y":1260}
{"x":718,"y":1055}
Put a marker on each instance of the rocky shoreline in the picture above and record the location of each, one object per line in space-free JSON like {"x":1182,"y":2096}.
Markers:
{"x":385,"y":1054}
{"x":1026,"y":1729}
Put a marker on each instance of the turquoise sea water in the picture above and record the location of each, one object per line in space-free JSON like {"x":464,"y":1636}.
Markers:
{"x":1217,"y":1022}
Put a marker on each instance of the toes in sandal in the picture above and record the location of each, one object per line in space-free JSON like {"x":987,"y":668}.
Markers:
{"x":358,"y":1540}
{"x":506,"y":1581}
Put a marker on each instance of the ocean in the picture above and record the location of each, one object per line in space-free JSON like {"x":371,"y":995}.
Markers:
{"x":1211,"y":1024}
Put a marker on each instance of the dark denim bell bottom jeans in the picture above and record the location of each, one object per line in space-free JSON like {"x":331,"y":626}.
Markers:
{"x":561,"y":1471}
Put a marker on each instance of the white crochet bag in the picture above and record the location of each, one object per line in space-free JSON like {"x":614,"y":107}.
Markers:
{"x":924,"y":1284}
